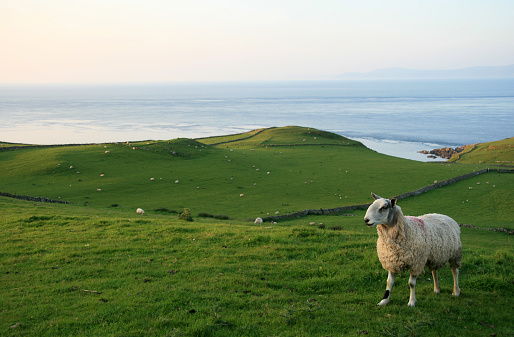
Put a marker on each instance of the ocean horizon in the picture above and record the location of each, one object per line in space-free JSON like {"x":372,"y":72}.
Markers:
{"x":394,"y":117}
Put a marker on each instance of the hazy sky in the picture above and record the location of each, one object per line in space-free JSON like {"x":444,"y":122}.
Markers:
{"x":220,"y":40}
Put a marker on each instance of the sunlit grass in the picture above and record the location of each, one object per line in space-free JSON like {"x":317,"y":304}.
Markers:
{"x":96,"y":268}
{"x":66,"y":272}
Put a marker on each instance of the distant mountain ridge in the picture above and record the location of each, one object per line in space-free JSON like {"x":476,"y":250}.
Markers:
{"x":404,"y":73}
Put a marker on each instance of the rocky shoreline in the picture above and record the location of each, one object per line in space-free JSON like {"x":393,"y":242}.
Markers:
{"x":445,"y":152}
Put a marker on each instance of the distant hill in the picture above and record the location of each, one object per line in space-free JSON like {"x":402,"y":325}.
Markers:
{"x":403,"y":73}
{"x":497,"y":153}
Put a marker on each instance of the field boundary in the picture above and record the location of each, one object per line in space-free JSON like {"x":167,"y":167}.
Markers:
{"x":14,"y":148}
{"x":419,"y":191}
{"x":240,"y":139}
{"x":501,"y":230}
{"x":321,"y":211}
{"x":28,"y":198}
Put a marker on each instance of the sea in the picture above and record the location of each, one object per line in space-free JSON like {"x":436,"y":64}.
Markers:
{"x":394,"y":117}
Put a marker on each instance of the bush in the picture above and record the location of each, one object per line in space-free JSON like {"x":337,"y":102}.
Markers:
{"x":165,"y":210}
{"x":186,"y":215}
{"x":205,"y":215}
{"x":221,"y":217}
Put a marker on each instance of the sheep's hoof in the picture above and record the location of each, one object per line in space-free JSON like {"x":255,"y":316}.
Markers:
{"x":412,"y":303}
{"x":383,"y":302}
{"x":456,"y":293}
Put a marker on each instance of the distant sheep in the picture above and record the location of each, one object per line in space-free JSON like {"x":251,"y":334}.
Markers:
{"x":140,"y":211}
{"x":404,"y":242}
{"x":258,"y":221}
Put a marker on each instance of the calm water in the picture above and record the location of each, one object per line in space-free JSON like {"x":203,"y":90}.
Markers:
{"x":394,"y":117}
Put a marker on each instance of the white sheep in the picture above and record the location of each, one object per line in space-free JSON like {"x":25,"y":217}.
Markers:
{"x":258,"y":221}
{"x":140,"y":211}
{"x":412,"y":243}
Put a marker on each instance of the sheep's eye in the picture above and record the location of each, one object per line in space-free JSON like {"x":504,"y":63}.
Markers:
{"x":382,"y":208}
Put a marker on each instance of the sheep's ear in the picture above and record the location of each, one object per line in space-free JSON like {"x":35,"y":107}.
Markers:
{"x":375,"y":196}
{"x":393,"y":202}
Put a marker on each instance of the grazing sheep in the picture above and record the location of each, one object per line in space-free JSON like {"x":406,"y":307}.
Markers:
{"x":412,"y":243}
{"x":258,"y":221}
{"x":140,"y":211}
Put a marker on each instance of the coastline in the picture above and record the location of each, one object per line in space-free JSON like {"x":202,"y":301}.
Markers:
{"x":434,"y":114}
{"x":391,"y":147}
{"x":402,"y":149}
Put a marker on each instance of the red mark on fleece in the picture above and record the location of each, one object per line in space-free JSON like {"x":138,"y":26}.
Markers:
{"x":418,"y":221}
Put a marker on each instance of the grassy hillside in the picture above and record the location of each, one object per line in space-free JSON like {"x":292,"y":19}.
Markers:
{"x":275,"y":170}
{"x":494,"y":153}
{"x":285,"y":136}
{"x":101,"y":269}
{"x":68,"y":270}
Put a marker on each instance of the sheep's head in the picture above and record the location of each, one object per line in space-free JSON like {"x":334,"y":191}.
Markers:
{"x":381,"y":212}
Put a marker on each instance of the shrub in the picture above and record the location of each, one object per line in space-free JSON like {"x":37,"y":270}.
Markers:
{"x":221,"y":217}
{"x":205,"y":215}
{"x":165,"y":210}
{"x":186,"y":215}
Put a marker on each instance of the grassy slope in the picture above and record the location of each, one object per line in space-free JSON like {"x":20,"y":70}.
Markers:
{"x":495,"y":153}
{"x":211,"y":179}
{"x":156,"y":275}
{"x":159,"y":276}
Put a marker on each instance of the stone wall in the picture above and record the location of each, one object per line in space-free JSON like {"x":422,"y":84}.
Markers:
{"x":336,"y":210}
{"x":13,"y":148}
{"x":440,"y":184}
{"x":37,"y":199}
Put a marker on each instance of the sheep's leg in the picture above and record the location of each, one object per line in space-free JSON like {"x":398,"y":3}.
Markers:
{"x":437,"y":288}
{"x":412,"y":286}
{"x":456,"y":289}
{"x":387,"y":295}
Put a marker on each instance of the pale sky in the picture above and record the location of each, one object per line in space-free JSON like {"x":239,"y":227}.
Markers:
{"x":60,"y":41}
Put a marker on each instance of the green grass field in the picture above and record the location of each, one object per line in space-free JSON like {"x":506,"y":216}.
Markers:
{"x":324,"y":171}
{"x":99,"y":270}
{"x":495,"y":153}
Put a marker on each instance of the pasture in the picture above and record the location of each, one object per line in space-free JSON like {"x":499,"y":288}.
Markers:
{"x":324,"y":171}
{"x":96,"y":268}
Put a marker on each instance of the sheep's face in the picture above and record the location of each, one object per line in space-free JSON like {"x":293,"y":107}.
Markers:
{"x":380,"y":212}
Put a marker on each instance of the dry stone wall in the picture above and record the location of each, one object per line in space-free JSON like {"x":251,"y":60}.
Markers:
{"x":342,"y":209}
{"x":37,"y":199}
